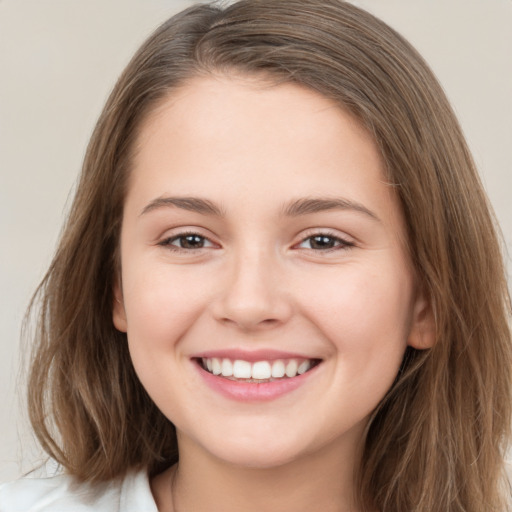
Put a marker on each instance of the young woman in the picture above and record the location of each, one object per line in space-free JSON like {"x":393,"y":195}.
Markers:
{"x":279,"y":287}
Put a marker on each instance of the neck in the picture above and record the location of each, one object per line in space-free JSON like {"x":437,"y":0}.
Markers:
{"x":202,"y":483}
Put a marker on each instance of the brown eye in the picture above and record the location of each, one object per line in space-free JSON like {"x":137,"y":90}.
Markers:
{"x":187,"y":241}
{"x":324,"y":242}
{"x":191,"y":242}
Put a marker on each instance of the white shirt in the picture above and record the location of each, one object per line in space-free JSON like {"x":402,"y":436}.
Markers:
{"x":63,"y":493}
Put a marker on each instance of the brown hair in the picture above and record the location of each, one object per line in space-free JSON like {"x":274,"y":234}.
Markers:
{"x":437,"y":440}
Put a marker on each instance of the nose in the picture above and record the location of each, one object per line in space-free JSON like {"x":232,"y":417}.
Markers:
{"x":254,"y":295}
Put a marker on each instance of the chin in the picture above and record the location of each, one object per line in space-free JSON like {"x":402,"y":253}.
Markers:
{"x":257,"y":459}
{"x":258,"y":452}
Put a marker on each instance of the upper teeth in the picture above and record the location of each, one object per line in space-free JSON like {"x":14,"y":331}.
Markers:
{"x":260,"y":370}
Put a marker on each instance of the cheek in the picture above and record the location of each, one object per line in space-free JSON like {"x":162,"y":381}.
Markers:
{"x":365,"y":318}
{"x":161,"y":305}
{"x":365,"y":314}
{"x":356,"y":294}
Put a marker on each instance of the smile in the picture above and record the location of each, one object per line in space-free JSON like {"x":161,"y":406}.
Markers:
{"x":265,"y":376}
{"x":258,"y":371}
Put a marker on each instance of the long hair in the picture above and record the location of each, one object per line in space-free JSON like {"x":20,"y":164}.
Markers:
{"x":436,"y":442}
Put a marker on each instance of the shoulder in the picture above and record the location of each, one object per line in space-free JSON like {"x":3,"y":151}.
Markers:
{"x":63,"y":493}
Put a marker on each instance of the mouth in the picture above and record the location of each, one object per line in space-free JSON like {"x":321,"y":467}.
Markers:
{"x":257,"y":372}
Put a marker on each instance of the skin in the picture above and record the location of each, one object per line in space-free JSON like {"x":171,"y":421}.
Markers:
{"x":260,"y":282}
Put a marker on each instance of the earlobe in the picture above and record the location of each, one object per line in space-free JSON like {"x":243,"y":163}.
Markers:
{"x":118,"y":311}
{"x":423,"y":326}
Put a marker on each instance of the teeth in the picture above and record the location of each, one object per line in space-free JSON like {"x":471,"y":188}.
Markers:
{"x":258,"y":371}
{"x":261,"y":370}
{"x":291,"y":368}
{"x":242,"y":369}
{"x":278,"y":369}
{"x":303,"y":367}
{"x":216,"y":366}
{"x":227,"y":368}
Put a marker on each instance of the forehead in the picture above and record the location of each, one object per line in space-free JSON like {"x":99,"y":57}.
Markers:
{"x":253,"y":135}
{"x":210,"y":105}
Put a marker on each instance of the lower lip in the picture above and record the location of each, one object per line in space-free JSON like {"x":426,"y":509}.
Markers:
{"x":253,"y":391}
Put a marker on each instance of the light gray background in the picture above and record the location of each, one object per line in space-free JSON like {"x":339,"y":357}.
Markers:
{"x":60,"y":58}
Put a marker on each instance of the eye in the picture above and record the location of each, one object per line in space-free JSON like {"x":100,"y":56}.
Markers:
{"x":187,"y":242}
{"x":324,"y":242}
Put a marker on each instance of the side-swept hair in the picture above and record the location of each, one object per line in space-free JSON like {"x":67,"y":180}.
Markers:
{"x":437,"y":440}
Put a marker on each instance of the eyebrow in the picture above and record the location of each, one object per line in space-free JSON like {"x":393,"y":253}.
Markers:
{"x":297,"y":208}
{"x":306,"y":206}
{"x":193,"y":204}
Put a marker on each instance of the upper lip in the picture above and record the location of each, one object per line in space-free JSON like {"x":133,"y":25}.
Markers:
{"x":251,"y":355}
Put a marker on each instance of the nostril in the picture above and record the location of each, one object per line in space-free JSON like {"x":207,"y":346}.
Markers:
{"x":250,"y":303}
{"x":249,"y":324}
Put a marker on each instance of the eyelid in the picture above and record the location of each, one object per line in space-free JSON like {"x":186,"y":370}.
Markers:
{"x":165,"y":241}
{"x":346,"y":242}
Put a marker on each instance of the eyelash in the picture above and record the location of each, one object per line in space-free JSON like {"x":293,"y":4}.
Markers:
{"x":342,"y":244}
{"x":167,"y":243}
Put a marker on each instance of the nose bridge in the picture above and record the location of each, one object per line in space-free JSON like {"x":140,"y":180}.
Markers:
{"x":253,"y":295}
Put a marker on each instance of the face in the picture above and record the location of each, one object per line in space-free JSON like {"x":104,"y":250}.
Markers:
{"x":265,"y":289}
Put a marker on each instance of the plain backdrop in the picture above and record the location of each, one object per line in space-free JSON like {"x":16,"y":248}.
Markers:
{"x":60,"y":58}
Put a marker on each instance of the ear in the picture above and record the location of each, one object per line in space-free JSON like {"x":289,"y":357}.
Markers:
{"x":118,"y":311}
{"x":423,"y":325}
